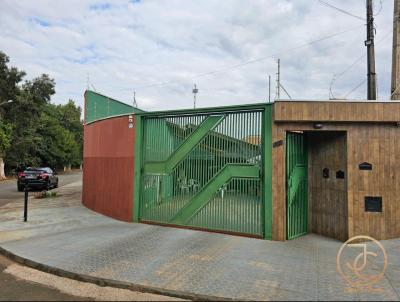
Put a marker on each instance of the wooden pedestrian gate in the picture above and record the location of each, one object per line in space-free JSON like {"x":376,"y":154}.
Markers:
{"x":296,"y":185}
{"x":202,"y":170}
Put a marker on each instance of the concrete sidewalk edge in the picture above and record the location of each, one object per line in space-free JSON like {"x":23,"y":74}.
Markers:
{"x":109,"y":282}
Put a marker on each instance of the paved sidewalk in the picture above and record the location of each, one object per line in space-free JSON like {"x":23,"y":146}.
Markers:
{"x":63,"y":234}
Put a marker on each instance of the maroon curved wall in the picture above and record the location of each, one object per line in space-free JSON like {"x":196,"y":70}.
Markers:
{"x":108,"y":167}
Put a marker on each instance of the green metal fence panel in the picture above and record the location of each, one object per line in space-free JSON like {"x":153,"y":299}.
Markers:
{"x":203,"y":170}
{"x":297,"y":187}
{"x":98,"y":107}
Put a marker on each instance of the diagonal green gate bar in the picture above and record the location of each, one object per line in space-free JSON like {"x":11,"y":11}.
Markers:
{"x":184,"y":149}
{"x":298,"y":173}
{"x":198,"y":201}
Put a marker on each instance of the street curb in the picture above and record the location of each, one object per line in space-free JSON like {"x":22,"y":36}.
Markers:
{"x":109,"y":282}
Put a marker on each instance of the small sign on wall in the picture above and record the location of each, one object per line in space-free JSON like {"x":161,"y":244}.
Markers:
{"x":130,"y":124}
{"x":373,"y":204}
{"x":365,"y":166}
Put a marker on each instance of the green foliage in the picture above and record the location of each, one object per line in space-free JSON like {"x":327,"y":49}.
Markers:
{"x":5,"y":136}
{"x":9,"y":79}
{"x":59,"y":145}
{"x":46,"y":194}
{"x":36,"y":132}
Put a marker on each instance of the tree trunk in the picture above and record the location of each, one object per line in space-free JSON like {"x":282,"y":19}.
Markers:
{"x":67,"y":168}
{"x":2,"y":174}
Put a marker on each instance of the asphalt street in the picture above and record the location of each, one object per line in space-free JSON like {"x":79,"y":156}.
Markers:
{"x":9,"y":192}
{"x":16,"y":289}
{"x":10,"y":286}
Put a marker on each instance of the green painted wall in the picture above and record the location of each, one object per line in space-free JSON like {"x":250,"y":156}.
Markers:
{"x":99,"y":106}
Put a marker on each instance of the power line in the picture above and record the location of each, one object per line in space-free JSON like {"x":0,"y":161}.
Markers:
{"x":380,"y":8}
{"x":340,"y":74}
{"x":341,"y":10}
{"x":355,"y":88}
{"x":327,"y":37}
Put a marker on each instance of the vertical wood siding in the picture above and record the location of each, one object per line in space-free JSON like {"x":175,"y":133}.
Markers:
{"x":375,"y":143}
{"x":327,"y":196}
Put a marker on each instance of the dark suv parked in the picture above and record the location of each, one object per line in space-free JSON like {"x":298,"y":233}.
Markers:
{"x":38,"y":178}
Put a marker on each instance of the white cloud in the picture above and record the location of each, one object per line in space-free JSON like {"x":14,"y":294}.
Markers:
{"x":125,"y":45}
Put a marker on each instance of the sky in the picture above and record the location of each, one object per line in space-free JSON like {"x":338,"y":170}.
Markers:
{"x":161,"y":48}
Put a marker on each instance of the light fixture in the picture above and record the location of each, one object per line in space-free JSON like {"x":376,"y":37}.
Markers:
{"x":318,"y":126}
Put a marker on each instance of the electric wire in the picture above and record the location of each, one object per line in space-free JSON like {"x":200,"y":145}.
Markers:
{"x":380,"y":8}
{"x":341,"y":10}
{"x":246,"y":62}
{"x":355,"y":88}
{"x":356,"y":61}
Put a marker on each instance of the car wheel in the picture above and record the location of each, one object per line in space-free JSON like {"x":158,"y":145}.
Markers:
{"x":20,"y":188}
{"x":47,"y":186}
{"x":56,"y":185}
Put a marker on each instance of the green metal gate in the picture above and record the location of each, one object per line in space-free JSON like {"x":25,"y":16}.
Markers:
{"x":296,"y":185}
{"x":203,"y":170}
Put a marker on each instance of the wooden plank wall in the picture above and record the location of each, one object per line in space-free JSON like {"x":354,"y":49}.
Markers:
{"x":327,"y":197}
{"x":337,"y":111}
{"x":108,"y":167}
{"x":376,"y":143}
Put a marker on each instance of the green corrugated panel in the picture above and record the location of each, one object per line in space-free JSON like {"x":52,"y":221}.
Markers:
{"x":98,"y":107}
{"x":206,"y":143}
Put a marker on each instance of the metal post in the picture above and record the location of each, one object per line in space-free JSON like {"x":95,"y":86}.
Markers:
{"x":195,"y":91}
{"x":269,"y":89}
{"x":134,"y":100}
{"x":278,"y":81}
{"x":395,"y":91}
{"x":26,"y":201}
{"x":371,"y":52}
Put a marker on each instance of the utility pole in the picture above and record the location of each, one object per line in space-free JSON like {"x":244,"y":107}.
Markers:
{"x":278,"y":81}
{"x":195,"y":91}
{"x":371,"y":52}
{"x":395,"y":91}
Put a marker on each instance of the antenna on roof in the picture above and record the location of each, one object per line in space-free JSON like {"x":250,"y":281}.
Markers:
{"x":278,"y":81}
{"x":134,"y":100}
{"x":89,"y":84}
{"x":195,"y":91}
{"x":279,"y":84}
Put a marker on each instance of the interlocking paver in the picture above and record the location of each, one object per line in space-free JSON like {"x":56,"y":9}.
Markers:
{"x":73,"y":238}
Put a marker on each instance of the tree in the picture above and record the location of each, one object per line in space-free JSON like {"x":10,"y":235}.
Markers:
{"x":5,"y":140}
{"x":9,"y":89}
{"x":35,"y":132}
{"x":34,"y":96}
{"x":9,"y":80}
